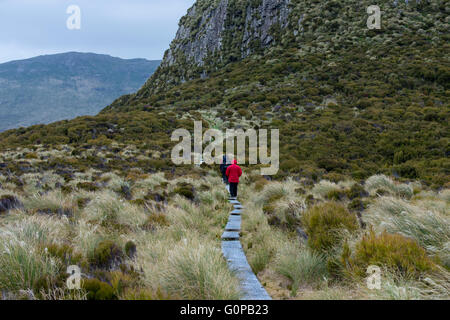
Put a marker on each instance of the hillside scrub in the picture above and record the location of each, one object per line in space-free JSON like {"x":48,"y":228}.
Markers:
{"x":363,"y":121}
{"x":325,"y":81}
{"x":123,"y":246}
{"x":406,"y":238}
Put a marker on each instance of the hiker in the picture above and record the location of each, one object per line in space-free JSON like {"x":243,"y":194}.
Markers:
{"x":233,"y":173}
{"x":223,"y":170}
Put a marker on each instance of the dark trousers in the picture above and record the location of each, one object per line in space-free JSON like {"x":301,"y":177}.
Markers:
{"x":225,"y":179}
{"x":233,"y":189}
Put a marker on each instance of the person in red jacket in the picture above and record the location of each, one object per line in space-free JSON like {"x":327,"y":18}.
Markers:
{"x":233,"y":173}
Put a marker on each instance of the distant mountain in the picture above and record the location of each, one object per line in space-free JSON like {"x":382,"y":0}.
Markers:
{"x":49,"y":88}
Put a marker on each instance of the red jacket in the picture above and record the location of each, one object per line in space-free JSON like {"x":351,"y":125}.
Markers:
{"x":234,"y":172}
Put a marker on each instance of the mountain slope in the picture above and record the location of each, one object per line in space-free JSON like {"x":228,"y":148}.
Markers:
{"x":348,"y":101}
{"x":54,"y":87}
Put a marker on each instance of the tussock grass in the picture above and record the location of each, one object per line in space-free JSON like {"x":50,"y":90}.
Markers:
{"x":22,"y":259}
{"x":323,"y":188}
{"x":51,"y":202}
{"x":429,"y":228}
{"x":301,"y":265}
{"x":197,"y":271}
{"x":107,"y":209}
{"x":394,"y":287}
{"x":381,"y":183}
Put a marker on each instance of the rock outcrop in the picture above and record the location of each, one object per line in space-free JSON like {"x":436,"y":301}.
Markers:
{"x":214,"y":33}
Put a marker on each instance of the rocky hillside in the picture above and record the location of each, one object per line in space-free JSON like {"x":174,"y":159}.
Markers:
{"x":63,"y":86}
{"x":348,"y":101}
{"x":216,"y":33}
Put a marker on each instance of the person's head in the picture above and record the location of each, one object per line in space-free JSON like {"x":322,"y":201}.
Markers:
{"x":234,"y":161}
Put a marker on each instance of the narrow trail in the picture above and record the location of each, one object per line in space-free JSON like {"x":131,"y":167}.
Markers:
{"x":236,"y":259}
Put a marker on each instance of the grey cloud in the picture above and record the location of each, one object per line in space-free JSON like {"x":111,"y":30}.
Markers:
{"x":127,"y":29}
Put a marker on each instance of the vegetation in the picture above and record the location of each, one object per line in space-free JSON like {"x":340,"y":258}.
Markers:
{"x":141,"y":247}
{"x":325,"y":255}
{"x":331,"y":86}
{"x":325,"y":222}
{"x":364,"y":168}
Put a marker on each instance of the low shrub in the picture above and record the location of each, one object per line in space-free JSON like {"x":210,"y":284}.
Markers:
{"x":260,"y":184}
{"x":65,"y":253}
{"x":106,"y":255}
{"x":8,"y":202}
{"x":88,"y":186}
{"x":392,"y":251}
{"x":186,"y":190}
{"x":335,"y":195}
{"x":154,"y":220}
{"x":130,"y":249}
{"x":323,"y":224}
{"x":98,"y":290}
{"x":356,"y":191}
{"x":356,"y":204}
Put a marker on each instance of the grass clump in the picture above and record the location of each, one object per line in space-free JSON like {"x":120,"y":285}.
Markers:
{"x":106,"y":255}
{"x":430,"y":228}
{"x":21,"y":267}
{"x":130,"y":249}
{"x":326,"y":189}
{"x":8,"y":202}
{"x":301,"y":265}
{"x":380,"y":184}
{"x":197,"y":271}
{"x":394,"y":252}
{"x":324,"y":224}
{"x":98,"y":290}
{"x":155,"y":220}
{"x":65,"y":253}
{"x":87,"y":186}
{"x":186,"y":190}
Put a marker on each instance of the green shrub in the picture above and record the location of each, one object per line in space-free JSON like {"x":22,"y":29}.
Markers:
{"x":65,"y":253}
{"x":98,"y":290}
{"x":392,"y":251}
{"x":88,"y":186}
{"x":31,"y":155}
{"x":356,"y":205}
{"x":154,"y":220}
{"x":335,"y":195}
{"x":186,"y":190}
{"x":260,"y":184}
{"x":130,"y":249}
{"x":106,"y":254}
{"x":356,"y":191}
{"x":83,"y":202}
{"x":323,"y":224}
{"x":8,"y":202}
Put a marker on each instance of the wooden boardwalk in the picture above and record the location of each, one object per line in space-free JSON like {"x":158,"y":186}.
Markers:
{"x":236,"y":259}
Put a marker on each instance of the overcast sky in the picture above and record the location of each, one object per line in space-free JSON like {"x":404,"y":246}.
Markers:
{"x":121,"y":28}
